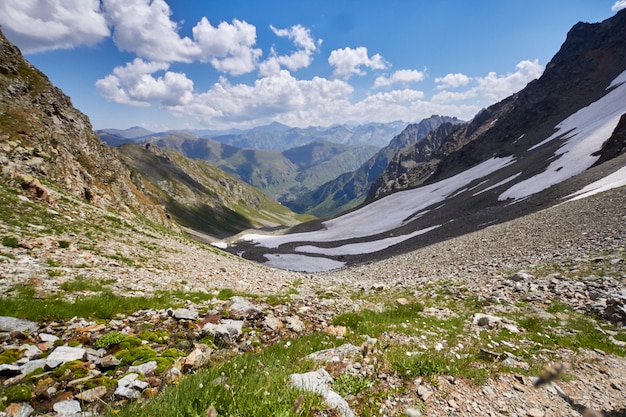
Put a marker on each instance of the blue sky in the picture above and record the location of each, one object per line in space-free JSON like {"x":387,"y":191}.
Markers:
{"x":177,"y":64}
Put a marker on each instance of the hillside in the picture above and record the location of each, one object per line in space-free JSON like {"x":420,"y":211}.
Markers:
{"x":350,"y":189}
{"x":199,"y":196}
{"x":282,"y":175}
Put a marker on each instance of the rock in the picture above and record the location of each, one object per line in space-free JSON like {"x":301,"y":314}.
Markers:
{"x":272,"y":323}
{"x":337,"y":331}
{"x":12,"y":324}
{"x":521,"y":276}
{"x":30,"y":351}
{"x":198,"y":358}
{"x":67,"y":408}
{"x":144,"y":369}
{"x":535,"y":412}
{"x":494,"y":322}
{"x":226,"y":333}
{"x":130,"y":386}
{"x":92,"y":395}
{"x":19,"y":410}
{"x":424,"y":392}
{"x":184,"y":314}
{"x":242,"y":308}
{"x":294,"y":323}
{"x":109,"y":361}
{"x":45,"y":388}
{"x":318,"y":382}
{"x":10,"y":370}
{"x":63,"y":354}
{"x":402,"y":301}
{"x":46,"y":337}
{"x":173,"y":375}
{"x":413,"y":412}
{"x":328,"y":355}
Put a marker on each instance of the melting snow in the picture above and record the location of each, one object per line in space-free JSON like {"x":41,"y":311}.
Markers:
{"x":616,"y":179}
{"x":585,"y":132}
{"x":363,"y":247}
{"x":301,"y":263}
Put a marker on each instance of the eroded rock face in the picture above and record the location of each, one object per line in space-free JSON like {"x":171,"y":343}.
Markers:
{"x":43,"y":135}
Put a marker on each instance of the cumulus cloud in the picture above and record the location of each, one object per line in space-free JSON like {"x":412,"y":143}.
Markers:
{"x":40,"y":25}
{"x":135,"y":84}
{"x":348,"y":62}
{"x":229,"y":46}
{"x":619,"y":5}
{"x":144,"y":27}
{"x":494,"y":87}
{"x":452,"y":81}
{"x":399,"y":77}
{"x":301,"y":58}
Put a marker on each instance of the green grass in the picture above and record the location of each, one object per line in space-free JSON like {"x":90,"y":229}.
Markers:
{"x":104,"y":305}
{"x":252,"y":384}
{"x":81,"y":283}
{"x":374,"y":323}
{"x":10,"y":241}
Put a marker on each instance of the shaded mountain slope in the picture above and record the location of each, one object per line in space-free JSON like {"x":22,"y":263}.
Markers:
{"x":200,"y":196}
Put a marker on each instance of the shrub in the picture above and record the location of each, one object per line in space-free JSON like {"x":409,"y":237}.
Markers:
{"x":64,"y":244}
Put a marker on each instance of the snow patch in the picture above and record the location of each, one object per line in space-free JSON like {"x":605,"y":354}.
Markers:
{"x":584,"y":132}
{"x":301,"y":263}
{"x":614,"y":180}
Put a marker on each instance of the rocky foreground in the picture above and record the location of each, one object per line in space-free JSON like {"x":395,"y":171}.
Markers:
{"x":565,"y":266}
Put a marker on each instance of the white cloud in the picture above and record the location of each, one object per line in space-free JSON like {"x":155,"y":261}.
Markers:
{"x":619,"y":5}
{"x":452,"y":81}
{"x":494,"y":87}
{"x":301,"y":58}
{"x":228,"y":47}
{"x":40,"y":25}
{"x":399,"y":77}
{"x":144,"y":27}
{"x":135,"y":85}
{"x":452,"y":96}
{"x":347,"y":62}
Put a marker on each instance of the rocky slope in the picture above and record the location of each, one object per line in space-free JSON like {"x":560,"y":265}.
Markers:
{"x":45,"y":143}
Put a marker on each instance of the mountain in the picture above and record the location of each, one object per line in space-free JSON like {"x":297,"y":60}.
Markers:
{"x":199,"y":196}
{"x":277,"y":136}
{"x":49,"y":149}
{"x":130,"y":133}
{"x":350,"y":189}
{"x":282,"y":175}
{"x":50,"y":153}
{"x":562,"y":137}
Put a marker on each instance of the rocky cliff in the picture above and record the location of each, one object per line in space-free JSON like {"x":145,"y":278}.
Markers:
{"x":46,"y":144}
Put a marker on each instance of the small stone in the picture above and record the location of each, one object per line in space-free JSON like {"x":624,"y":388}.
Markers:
{"x":535,"y":412}
{"x":198,"y":358}
{"x":63,"y":354}
{"x":402,"y":301}
{"x":272,"y":323}
{"x":93,"y":394}
{"x":12,"y":324}
{"x":147,"y":368}
{"x":42,"y":388}
{"x":294,"y":323}
{"x":424,"y":392}
{"x":227,"y":332}
{"x":46,"y":337}
{"x":519,"y":387}
{"x":19,"y":410}
{"x":453,"y":403}
{"x":184,"y":314}
{"x":67,"y":408}
{"x":242,"y":308}
{"x":337,"y":331}
{"x":413,"y":412}
{"x":109,"y":361}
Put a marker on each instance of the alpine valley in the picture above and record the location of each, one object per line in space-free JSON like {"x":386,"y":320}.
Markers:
{"x":442,"y":267}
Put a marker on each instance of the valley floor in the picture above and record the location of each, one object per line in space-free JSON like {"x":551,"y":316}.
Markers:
{"x":568,"y":306}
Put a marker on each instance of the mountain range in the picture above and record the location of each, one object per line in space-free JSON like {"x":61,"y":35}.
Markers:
{"x":560,"y":137}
